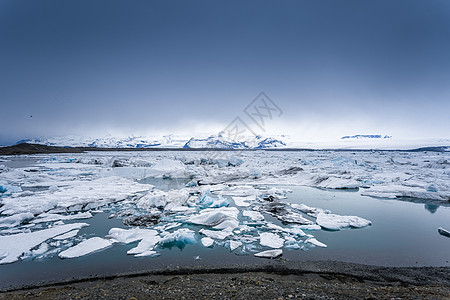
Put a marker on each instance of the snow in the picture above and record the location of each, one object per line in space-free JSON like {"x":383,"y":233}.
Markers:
{"x":337,"y":222}
{"x":270,"y":253}
{"x":86,"y":247}
{"x":271,"y":240}
{"x":13,"y":246}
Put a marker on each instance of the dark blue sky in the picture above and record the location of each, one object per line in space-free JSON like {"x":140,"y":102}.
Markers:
{"x":158,"y":67}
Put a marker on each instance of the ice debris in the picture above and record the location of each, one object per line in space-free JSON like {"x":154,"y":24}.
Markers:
{"x":270,"y":253}
{"x":337,"y":222}
{"x":86,"y":247}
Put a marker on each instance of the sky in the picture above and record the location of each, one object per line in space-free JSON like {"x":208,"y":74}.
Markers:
{"x":334,"y":68}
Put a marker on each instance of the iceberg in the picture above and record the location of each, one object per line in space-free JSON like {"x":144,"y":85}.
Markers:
{"x":218,"y":218}
{"x":337,"y":222}
{"x":86,"y":247}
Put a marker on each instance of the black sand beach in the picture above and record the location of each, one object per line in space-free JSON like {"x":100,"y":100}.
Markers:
{"x":279,"y":279}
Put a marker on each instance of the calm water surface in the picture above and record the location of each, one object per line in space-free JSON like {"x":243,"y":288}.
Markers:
{"x":403,"y":233}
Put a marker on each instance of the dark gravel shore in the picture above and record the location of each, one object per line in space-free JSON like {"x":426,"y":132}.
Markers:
{"x":276,"y":280}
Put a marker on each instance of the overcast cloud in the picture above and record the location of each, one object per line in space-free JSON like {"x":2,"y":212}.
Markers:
{"x":189,"y":67}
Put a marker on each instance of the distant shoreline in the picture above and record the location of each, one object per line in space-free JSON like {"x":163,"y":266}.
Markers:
{"x":25,"y":148}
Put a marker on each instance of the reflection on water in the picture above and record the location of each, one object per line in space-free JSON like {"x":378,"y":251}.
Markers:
{"x":432,"y":208}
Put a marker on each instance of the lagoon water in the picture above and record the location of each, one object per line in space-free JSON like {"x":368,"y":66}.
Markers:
{"x":402,"y":233}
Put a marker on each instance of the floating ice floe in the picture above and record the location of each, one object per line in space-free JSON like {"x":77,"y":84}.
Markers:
{"x":398,"y":191}
{"x":444,"y":232}
{"x":179,"y":238}
{"x":337,"y":222}
{"x":207,"y":242}
{"x":271,"y":240}
{"x":86,"y":247}
{"x":13,"y":246}
{"x":270,"y":253}
{"x":218,"y":218}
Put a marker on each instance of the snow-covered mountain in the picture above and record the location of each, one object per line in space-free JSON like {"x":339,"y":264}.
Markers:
{"x":218,"y":141}
{"x":168,"y":141}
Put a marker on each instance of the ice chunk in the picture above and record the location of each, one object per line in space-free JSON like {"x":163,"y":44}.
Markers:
{"x":270,"y":253}
{"x":444,"y":232}
{"x":146,"y":246}
{"x":126,"y":236}
{"x":13,"y":246}
{"x":334,"y":182}
{"x":154,"y":198}
{"x":86,"y":247}
{"x":244,"y":200}
{"x":296,"y":230}
{"x":234,"y":245}
{"x":68,"y":235}
{"x":310,"y":227}
{"x":311,"y":211}
{"x":271,"y":240}
{"x":219,"y":218}
{"x":315,"y":242}
{"x":216,"y":234}
{"x":46,"y":217}
{"x":336,"y":222}
{"x":207,"y":242}
{"x":254,"y":215}
{"x":207,"y":200}
{"x":14,"y":220}
{"x":292,"y":217}
{"x":179,"y":238}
